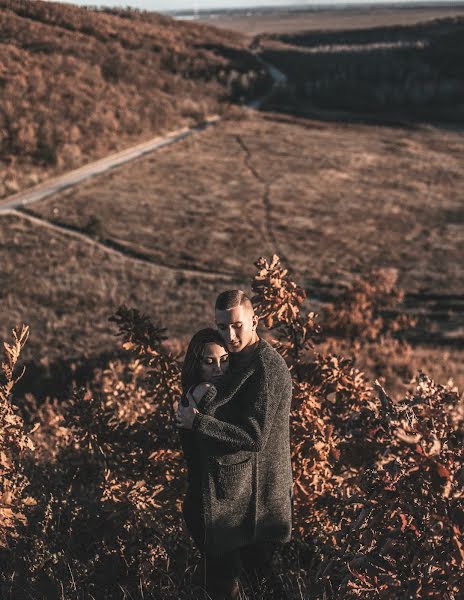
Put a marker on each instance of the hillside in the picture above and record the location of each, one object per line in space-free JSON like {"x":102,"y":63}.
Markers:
{"x":411,"y":72}
{"x":78,"y":83}
{"x":167,"y":232}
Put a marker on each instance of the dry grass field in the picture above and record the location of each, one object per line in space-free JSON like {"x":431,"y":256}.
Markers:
{"x":170,"y":230}
{"x":167,"y":232}
{"x":332,"y":199}
{"x":341,"y":18}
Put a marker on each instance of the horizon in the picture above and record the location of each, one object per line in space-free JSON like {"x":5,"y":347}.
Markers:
{"x":194,"y":6}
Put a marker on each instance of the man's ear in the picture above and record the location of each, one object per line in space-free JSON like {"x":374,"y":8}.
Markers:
{"x":255,"y":321}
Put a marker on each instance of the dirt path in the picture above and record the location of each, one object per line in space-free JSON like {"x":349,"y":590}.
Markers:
{"x":119,"y":248}
{"x":67,"y":180}
{"x":266,"y":198}
{"x":16,"y":205}
{"x":439,"y":308}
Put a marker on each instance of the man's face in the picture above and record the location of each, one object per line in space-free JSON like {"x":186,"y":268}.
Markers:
{"x":237,"y":327}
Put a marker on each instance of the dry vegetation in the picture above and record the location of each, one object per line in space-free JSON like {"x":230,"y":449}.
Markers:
{"x":91,"y":506}
{"x":339,"y":18}
{"x":77,"y":84}
{"x":368,"y":220}
{"x":321,"y":193}
{"x":69,"y":288}
{"x":336,"y":200}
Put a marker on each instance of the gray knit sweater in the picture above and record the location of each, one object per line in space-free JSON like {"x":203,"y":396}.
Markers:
{"x":243,"y":434}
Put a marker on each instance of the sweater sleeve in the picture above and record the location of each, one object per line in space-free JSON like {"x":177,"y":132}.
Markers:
{"x":252,"y":431}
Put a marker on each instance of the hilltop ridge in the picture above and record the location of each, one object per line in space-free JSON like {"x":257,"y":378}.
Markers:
{"x":78,"y":83}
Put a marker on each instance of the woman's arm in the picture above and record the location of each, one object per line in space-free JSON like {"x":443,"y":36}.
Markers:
{"x":188,"y":406}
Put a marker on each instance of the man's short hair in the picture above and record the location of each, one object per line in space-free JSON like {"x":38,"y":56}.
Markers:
{"x":231,"y":298}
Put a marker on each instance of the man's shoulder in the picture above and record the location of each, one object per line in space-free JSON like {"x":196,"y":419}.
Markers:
{"x":273,"y":371}
{"x":269,"y":358}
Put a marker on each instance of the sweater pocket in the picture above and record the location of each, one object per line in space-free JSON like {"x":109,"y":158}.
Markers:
{"x":234,"y":480}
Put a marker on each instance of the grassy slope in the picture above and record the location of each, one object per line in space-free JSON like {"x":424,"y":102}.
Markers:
{"x":332,"y":198}
{"x":342,"y":199}
{"x":77,"y":84}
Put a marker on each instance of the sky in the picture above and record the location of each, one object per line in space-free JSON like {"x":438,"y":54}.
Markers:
{"x":167,"y":5}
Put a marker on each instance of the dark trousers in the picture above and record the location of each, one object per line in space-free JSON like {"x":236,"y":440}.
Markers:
{"x":219,"y":575}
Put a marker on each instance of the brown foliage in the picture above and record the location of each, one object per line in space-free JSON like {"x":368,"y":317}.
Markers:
{"x":360,"y":313}
{"x":277,"y":302}
{"x":378,"y":503}
{"x":378,"y":484}
{"x":14,"y":442}
{"x":145,"y":340}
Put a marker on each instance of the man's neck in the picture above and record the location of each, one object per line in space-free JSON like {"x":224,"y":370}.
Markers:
{"x":251,"y":347}
{"x":240,"y":360}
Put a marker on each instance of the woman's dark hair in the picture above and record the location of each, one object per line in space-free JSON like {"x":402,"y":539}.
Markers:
{"x":190,"y":374}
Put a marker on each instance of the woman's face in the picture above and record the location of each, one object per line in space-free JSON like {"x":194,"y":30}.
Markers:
{"x":214,"y":362}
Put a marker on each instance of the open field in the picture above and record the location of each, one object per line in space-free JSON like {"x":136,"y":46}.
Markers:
{"x":252,"y":23}
{"x":331,"y":198}
{"x":170,"y":230}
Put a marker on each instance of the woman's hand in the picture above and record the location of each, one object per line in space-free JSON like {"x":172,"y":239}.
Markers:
{"x":186,"y":414}
{"x":200,"y":390}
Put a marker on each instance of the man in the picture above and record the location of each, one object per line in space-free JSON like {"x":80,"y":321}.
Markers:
{"x":242,"y":425}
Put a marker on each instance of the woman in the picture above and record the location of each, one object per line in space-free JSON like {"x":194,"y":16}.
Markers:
{"x":205,"y":362}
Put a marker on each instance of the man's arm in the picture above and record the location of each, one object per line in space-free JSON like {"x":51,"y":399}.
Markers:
{"x":255,"y":424}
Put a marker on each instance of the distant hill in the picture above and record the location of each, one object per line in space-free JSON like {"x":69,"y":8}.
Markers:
{"x":78,"y":83}
{"x":410,"y":71}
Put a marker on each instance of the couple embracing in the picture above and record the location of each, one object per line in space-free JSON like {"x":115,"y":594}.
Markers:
{"x":236,"y":443}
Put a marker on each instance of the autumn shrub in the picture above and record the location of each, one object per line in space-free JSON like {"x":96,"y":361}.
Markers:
{"x":367,"y":322}
{"x":379,"y":490}
{"x":196,"y":110}
{"x":95,"y":494}
{"x":14,"y":444}
{"x":106,"y":476}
